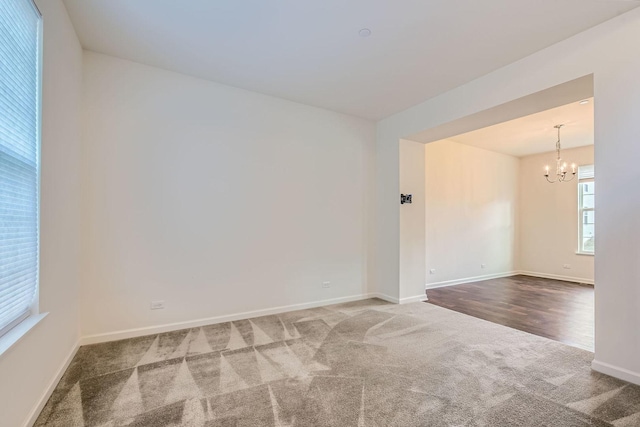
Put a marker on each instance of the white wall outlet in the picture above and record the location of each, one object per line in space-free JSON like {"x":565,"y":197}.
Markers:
{"x":157,"y":305}
{"x":483,"y":265}
{"x":326,"y":284}
{"x":432,"y":271}
{"x":567,"y":266}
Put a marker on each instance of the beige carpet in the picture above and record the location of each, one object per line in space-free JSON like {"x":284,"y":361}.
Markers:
{"x":359,"y":364}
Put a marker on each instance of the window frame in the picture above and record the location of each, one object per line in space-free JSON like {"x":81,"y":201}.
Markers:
{"x":15,"y":330}
{"x":581,"y":212}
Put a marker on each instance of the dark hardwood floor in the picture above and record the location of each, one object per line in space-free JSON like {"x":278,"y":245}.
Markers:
{"x":562,"y":311}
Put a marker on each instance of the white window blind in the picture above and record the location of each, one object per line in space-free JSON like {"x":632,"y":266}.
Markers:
{"x":586,"y":172}
{"x":586,"y":209}
{"x":19,"y":159}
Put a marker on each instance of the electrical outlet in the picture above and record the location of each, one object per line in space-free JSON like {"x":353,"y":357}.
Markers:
{"x":567,"y":266}
{"x":157,"y":305}
{"x":326,"y":284}
{"x":432,"y":271}
{"x":483,"y":265}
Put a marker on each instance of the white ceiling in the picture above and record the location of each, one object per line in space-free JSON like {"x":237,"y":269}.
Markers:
{"x":536,"y":133}
{"x":309,"y":51}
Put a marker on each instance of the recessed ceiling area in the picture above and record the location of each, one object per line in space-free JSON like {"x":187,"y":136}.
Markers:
{"x":311,"y":51}
{"x":535,"y":133}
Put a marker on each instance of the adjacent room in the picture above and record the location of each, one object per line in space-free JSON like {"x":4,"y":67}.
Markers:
{"x":508,"y":240}
{"x":205,"y":216}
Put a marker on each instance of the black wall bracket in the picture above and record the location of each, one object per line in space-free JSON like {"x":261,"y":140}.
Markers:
{"x":405,"y":198}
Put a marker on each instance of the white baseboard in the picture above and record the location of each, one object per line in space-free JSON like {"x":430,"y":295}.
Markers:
{"x":507,"y":274}
{"x":385,"y":297}
{"x":614,"y":371}
{"x":35,"y":412}
{"x":470,"y":279}
{"x":415,"y":298}
{"x":151,"y":330}
{"x":557,"y":277}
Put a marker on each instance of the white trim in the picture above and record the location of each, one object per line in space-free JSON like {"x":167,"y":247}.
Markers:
{"x":15,"y":334}
{"x":35,"y":304}
{"x":13,"y":324}
{"x":470,"y":280}
{"x":508,"y":274}
{"x":385,"y":297}
{"x":35,"y":412}
{"x":615,"y":371}
{"x":581,"y":211}
{"x":415,"y":298}
{"x":150,"y":330}
{"x":585,"y":253}
{"x":558,"y":277}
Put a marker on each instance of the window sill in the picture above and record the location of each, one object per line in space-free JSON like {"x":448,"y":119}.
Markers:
{"x":9,"y":339}
{"x":585,"y":253}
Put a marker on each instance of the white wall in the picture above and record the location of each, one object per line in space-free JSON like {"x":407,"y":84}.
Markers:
{"x":412,"y":254}
{"x":549,"y":219}
{"x":609,"y":52}
{"x":471,"y":198}
{"x":28,"y":369}
{"x":215,"y":199}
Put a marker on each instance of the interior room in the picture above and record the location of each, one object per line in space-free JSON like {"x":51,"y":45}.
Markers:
{"x":202,"y":218}
{"x":506,"y":243}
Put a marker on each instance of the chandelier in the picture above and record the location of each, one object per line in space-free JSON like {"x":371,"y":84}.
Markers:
{"x":561,"y":167}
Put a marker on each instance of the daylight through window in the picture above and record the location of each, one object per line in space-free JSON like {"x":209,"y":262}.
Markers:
{"x":19,"y":159}
{"x":586,"y":211}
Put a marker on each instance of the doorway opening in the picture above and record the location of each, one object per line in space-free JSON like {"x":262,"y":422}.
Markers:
{"x":501,"y":242}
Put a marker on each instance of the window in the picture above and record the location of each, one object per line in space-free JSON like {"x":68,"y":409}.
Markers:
{"x":19,"y":159}
{"x":586,"y":206}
